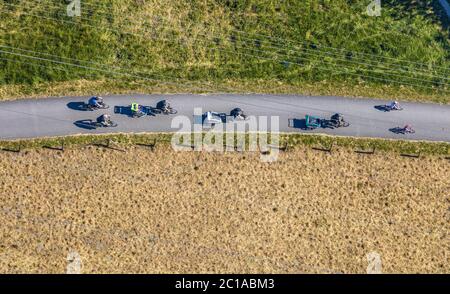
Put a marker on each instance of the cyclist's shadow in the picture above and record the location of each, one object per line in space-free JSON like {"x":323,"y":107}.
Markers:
{"x":297,"y":123}
{"x":383,"y":108}
{"x":87,"y":124}
{"x":81,"y":106}
{"x":126,"y":110}
{"x":397,"y":130}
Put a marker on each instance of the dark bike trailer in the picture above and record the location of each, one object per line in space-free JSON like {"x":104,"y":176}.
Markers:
{"x":312,"y":122}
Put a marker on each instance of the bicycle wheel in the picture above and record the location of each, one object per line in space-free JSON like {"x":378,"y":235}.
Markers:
{"x":172,"y":111}
{"x":87,"y":107}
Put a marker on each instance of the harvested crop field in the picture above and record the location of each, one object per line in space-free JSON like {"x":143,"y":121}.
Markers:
{"x":167,"y":212}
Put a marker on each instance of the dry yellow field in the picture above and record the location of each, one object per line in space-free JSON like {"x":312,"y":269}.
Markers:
{"x":168,"y":212}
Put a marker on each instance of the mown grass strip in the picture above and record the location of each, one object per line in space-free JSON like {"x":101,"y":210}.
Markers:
{"x":287,"y":140}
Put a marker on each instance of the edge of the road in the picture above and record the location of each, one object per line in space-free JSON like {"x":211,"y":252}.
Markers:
{"x":378,"y":99}
{"x":293,"y":133}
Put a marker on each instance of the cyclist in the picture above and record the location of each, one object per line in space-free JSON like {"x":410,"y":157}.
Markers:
{"x":394,"y":105}
{"x":136,"y":109}
{"x":95,"y":102}
{"x":237,"y":113}
{"x":408,"y":129}
{"x":337,"y":117}
{"x":164,"y":106}
{"x":104,"y":120}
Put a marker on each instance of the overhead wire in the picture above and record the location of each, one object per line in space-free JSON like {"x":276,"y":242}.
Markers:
{"x":344,"y":72}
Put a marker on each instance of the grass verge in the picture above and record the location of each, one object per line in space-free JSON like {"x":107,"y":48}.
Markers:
{"x":324,"y":88}
{"x":289,"y":140}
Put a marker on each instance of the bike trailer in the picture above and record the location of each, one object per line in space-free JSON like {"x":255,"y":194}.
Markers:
{"x":312,"y":122}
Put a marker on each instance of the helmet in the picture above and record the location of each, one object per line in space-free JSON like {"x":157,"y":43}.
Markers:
{"x":236,"y":112}
{"x":336,"y":116}
{"x":162,"y":104}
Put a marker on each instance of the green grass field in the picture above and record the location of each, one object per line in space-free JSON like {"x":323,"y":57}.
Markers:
{"x":318,"y":47}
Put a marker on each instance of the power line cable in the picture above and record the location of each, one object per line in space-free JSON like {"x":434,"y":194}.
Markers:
{"x":390,"y":80}
{"x":371,"y":64}
{"x":88,"y":62}
{"x":298,"y":42}
{"x":33,"y":57}
{"x":344,"y":72}
{"x":89,"y":68}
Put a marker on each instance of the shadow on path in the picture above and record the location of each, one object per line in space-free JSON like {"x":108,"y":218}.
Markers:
{"x":85,"y":124}
{"x":297,"y":123}
{"x":381,"y":108}
{"x":126,"y":110}
{"x":397,"y":130}
{"x":81,"y":106}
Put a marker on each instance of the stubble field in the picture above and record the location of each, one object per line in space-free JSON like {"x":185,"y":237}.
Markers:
{"x":168,"y":212}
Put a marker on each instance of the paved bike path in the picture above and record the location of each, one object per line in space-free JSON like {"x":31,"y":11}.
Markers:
{"x":34,"y":118}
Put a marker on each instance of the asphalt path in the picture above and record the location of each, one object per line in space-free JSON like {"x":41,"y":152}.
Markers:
{"x":34,"y":118}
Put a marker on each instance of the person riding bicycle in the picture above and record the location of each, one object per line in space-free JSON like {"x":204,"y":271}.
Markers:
{"x":164,"y":106}
{"x":104,"y":120}
{"x":237,"y":113}
{"x":394,"y":105}
{"x":408,"y":129}
{"x":137,"y":109}
{"x":337,"y":118}
{"x":96,"y":102}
